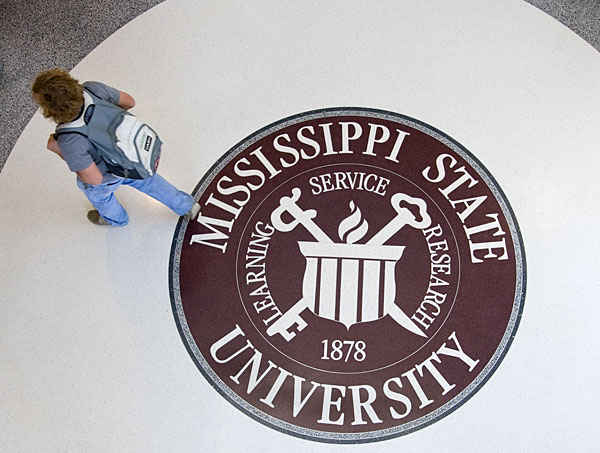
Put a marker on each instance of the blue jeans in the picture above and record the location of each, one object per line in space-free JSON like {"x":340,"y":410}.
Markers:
{"x":103,"y":199}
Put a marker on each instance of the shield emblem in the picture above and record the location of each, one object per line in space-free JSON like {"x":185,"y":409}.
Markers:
{"x":350,"y":283}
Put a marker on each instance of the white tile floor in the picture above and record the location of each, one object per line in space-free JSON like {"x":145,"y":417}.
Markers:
{"x":90,"y":357}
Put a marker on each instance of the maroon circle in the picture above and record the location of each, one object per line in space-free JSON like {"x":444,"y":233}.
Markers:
{"x":353,"y":275}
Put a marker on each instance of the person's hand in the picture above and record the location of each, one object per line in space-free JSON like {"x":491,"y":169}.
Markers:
{"x":52,"y":145}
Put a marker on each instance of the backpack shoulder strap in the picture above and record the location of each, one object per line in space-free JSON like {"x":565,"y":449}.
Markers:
{"x":78,"y":125}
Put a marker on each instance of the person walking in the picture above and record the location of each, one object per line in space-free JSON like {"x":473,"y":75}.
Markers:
{"x":61,"y":98}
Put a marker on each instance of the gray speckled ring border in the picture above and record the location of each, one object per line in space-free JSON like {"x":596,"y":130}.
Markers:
{"x":377,"y":435}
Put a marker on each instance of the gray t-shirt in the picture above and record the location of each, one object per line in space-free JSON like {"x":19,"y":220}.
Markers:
{"x":78,"y":151}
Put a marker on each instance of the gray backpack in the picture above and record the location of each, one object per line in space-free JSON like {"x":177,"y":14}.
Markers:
{"x":129,"y":148}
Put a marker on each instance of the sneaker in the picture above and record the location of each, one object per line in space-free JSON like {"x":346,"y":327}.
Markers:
{"x":95,"y":217}
{"x":193,"y":212}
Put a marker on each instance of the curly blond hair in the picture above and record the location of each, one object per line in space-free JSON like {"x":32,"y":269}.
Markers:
{"x":59,"y":95}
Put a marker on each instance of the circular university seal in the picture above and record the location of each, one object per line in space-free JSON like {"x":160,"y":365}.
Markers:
{"x":353,"y":275}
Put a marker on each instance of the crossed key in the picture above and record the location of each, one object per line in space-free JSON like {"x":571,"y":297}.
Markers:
{"x":305,"y":218}
{"x":404,"y":216}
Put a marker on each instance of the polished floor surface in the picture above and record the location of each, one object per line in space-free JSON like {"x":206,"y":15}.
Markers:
{"x":90,"y":356}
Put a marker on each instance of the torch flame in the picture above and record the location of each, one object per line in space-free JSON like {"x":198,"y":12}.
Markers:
{"x":353,"y":228}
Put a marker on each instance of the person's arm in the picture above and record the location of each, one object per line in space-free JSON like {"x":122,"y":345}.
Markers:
{"x":91,"y":175}
{"x":52,"y":145}
{"x":126,"y":101}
